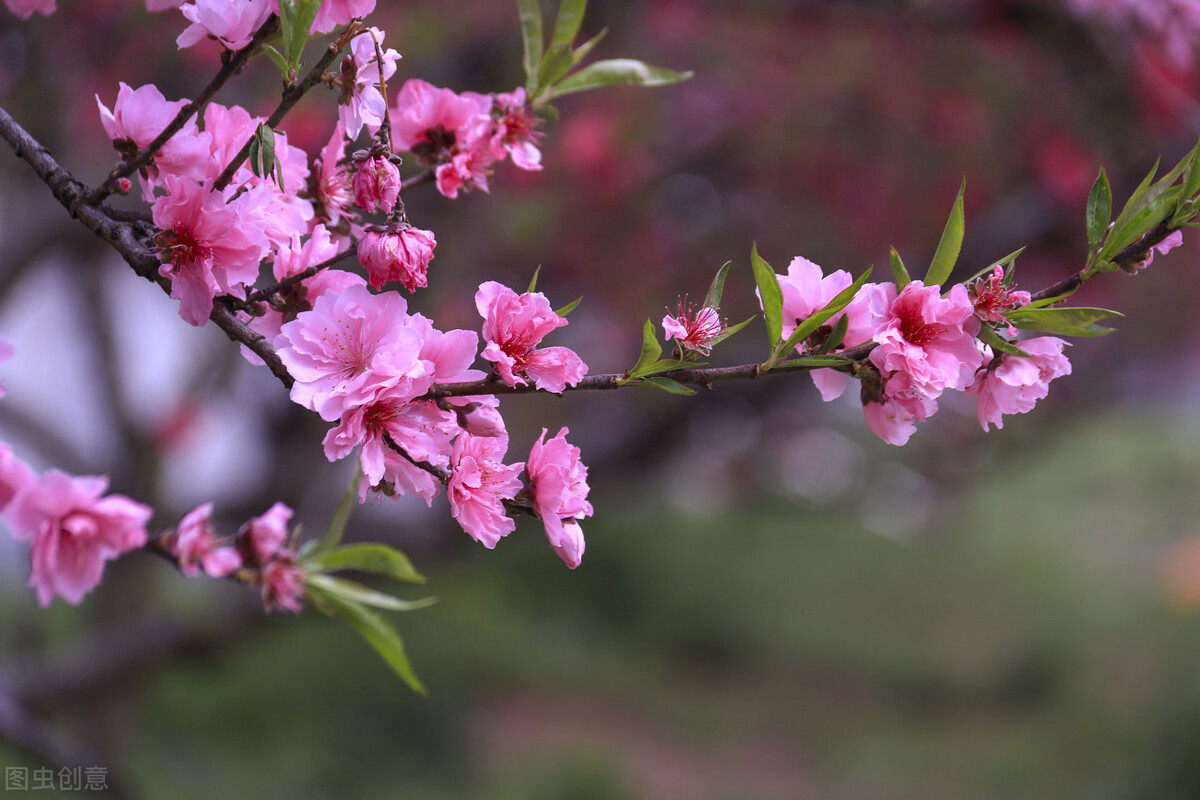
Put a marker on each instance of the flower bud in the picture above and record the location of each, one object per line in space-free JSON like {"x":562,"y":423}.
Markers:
{"x":397,"y":253}
{"x":376,"y":183}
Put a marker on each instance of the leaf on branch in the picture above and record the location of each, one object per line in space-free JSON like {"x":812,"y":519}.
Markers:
{"x":946,"y":255}
{"x":899,"y":273}
{"x":617,"y":72}
{"x":730,"y":331}
{"x":295,"y":21}
{"x":530,"y":13}
{"x":651,"y":350}
{"x":717,"y":287}
{"x":988,"y":336}
{"x":1149,"y":205}
{"x":357,"y":593}
{"x":1075,"y":321}
{"x":533,"y":281}
{"x":819,"y":318}
{"x":570,"y":17}
{"x":1007,"y":263}
{"x":770,"y":295}
{"x":1099,"y":210}
{"x":376,"y":559}
{"x":569,"y":307}
{"x":837,"y":335}
{"x":668,"y":385}
{"x":374,"y":629}
{"x":1190,"y":185}
{"x":263,"y":161}
{"x":332,"y":536}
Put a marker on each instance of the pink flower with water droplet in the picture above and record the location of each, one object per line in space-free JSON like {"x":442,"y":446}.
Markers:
{"x":74,"y":528}
{"x":558,"y":483}
{"x":513,"y":326}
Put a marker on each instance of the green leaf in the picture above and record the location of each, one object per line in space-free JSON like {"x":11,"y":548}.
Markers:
{"x":585,"y":48}
{"x":1004,"y":262}
{"x":1099,"y":210}
{"x":357,"y":593}
{"x":837,"y":335}
{"x":570,"y":17}
{"x":717,"y":287}
{"x":665,"y":365}
{"x":377,"y":632}
{"x":533,"y":281}
{"x":769,"y":294}
{"x":948,"y":248}
{"x":377,"y":559}
{"x":332,"y":536}
{"x":263,"y":161}
{"x":730,"y":331}
{"x":819,"y":318}
{"x":617,"y":72}
{"x":817,"y":361}
{"x":530,"y":13}
{"x":1075,"y":321}
{"x":899,"y":273}
{"x":1190,"y":185}
{"x":295,"y":21}
{"x":651,"y":349}
{"x":1149,"y":205}
{"x":569,"y":307}
{"x":557,"y":62}
{"x":988,"y":336}
{"x":668,"y":385}
{"x":277,"y":59}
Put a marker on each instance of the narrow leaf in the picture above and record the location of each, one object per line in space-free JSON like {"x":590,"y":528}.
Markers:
{"x":837,"y":335}
{"x":332,"y":536}
{"x":1004,"y":262}
{"x":668,"y":385}
{"x":1190,"y":185}
{"x":819,"y":318}
{"x":769,"y":294}
{"x":557,"y":62}
{"x":379,"y":634}
{"x":988,"y":336}
{"x":717,"y":287}
{"x":570,"y":17}
{"x":651,"y":349}
{"x":1099,"y":210}
{"x":730,"y":331}
{"x":948,"y":248}
{"x":817,"y":361}
{"x":1076,"y":321}
{"x":899,"y":273}
{"x":377,"y":559}
{"x":616,"y":72}
{"x":664,"y":365}
{"x":533,"y":281}
{"x":357,"y":593}
{"x":569,"y":307}
{"x":530,"y":13}
{"x":582,"y":51}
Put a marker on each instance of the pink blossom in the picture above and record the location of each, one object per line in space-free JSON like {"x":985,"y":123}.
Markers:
{"x":559,"y":486}
{"x":211,"y":246}
{"x":230,"y":22}
{"x":397,"y":253}
{"x":929,"y":337}
{"x":806,"y":290}
{"x":468,"y":168}
{"x":430,"y":122}
{"x":334,"y":13}
{"x":361,"y":102}
{"x":993,"y":299}
{"x":137,"y":118}
{"x":332,"y":188}
{"x":283,"y":585}
{"x":479,"y":483}
{"x":1169,"y":243}
{"x":1013,"y":384}
{"x":376,"y":183}
{"x":74,"y":530}
{"x":25,"y":8}
{"x":693,"y":330}
{"x":894,"y":416}
{"x":348,"y":348}
{"x":6,"y":352}
{"x":516,"y":132}
{"x":15,"y":475}
{"x":195,"y":546}
{"x":264,"y":538}
{"x":513,"y":326}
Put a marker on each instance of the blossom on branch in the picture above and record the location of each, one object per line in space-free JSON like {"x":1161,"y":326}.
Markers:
{"x":693,"y":330}
{"x":993,"y":298}
{"x":376,"y":182}
{"x":513,"y":326}
{"x":479,"y":483}
{"x":195,"y":545}
{"x":361,"y":101}
{"x":558,"y":483}
{"x":230,"y":22}
{"x":516,"y":132}
{"x":73,"y":528}
{"x":397,"y":252}
{"x":1013,"y":384}
{"x":930,"y":338}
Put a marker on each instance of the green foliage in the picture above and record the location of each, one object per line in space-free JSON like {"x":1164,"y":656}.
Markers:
{"x":332,"y":536}
{"x":988,"y":335}
{"x":376,"y":559}
{"x":809,"y":326}
{"x":263,"y":160}
{"x":770,"y":295}
{"x":950,"y":244}
{"x":899,"y":273}
{"x":1078,"y":321}
{"x":618,"y":72}
{"x":648,"y":362}
{"x":717,"y":287}
{"x":295,"y":21}
{"x":1099,"y":210}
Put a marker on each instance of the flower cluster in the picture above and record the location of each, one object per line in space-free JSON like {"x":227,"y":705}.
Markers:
{"x":923,"y":343}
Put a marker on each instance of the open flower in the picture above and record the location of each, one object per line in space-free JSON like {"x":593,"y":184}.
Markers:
{"x":558,"y":481}
{"x":479,"y":484}
{"x":513,"y":326}
{"x":693,"y":330}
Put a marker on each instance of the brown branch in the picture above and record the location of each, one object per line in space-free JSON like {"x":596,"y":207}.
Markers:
{"x":230,"y":68}
{"x":286,"y":285}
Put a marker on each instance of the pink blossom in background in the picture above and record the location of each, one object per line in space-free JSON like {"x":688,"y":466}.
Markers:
{"x":513,"y":326}
{"x":479,"y":483}
{"x":195,"y":545}
{"x":930,"y":338}
{"x":468,"y":168}
{"x":283,"y":585}
{"x":348,"y":348}
{"x":73,"y":530}
{"x":397,"y":253}
{"x":333,"y":13}
{"x":516,"y":132}
{"x":230,"y":22}
{"x":1016,"y":383}
{"x":25,"y":8}
{"x":361,"y":103}
{"x":264,"y":537}
{"x":162,"y":5}
{"x":693,"y":330}
{"x":993,"y":299}
{"x":376,"y":183}
{"x":210,"y":246}
{"x":558,"y":481}
{"x":893,"y":418}
{"x":15,"y":475}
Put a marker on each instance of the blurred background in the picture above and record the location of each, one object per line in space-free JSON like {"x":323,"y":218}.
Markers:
{"x":773,"y":603}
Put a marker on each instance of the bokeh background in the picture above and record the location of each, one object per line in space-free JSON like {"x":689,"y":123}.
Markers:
{"x":773,"y":604}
